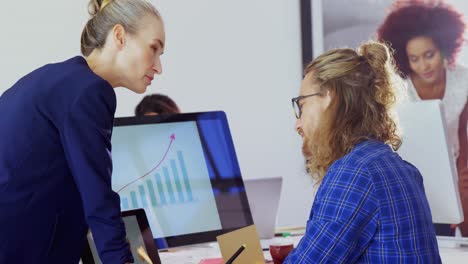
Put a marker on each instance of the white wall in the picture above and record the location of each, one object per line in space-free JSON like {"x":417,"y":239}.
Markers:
{"x":243,"y":57}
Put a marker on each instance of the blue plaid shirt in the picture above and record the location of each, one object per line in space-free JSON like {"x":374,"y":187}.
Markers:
{"x":370,"y":208}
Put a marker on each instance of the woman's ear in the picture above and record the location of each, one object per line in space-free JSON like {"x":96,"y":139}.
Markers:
{"x":118,"y":36}
{"x":446,"y":63}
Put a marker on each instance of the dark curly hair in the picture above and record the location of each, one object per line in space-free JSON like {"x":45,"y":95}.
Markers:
{"x":156,"y":103}
{"x":434,"y":19}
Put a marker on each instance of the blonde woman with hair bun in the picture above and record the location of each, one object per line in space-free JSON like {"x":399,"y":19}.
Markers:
{"x":370,"y":206}
{"x":55,"y":152}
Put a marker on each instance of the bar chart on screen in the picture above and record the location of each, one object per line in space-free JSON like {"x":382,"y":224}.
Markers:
{"x":161,"y":168}
{"x":169,"y":184}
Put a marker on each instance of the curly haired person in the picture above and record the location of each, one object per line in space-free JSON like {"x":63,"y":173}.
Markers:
{"x":427,"y":37}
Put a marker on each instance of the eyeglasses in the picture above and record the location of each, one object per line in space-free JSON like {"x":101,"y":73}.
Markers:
{"x":295,"y":103}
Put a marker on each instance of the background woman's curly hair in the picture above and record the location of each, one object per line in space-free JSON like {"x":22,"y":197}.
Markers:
{"x":434,"y":19}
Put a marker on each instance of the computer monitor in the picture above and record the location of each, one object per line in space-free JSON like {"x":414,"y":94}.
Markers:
{"x":426,"y":146}
{"x":183,"y":171}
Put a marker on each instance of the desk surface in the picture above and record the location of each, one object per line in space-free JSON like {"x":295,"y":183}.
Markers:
{"x":193,"y":254}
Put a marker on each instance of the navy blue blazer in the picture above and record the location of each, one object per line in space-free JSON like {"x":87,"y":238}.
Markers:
{"x":55,"y":167}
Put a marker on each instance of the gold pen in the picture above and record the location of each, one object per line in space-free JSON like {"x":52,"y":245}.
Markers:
{"x":142,"y":253}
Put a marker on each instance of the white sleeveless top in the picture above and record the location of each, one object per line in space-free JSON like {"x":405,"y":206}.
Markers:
{"x":455,"y":97}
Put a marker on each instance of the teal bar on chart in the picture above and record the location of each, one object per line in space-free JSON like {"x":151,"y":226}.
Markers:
{"x":152,"y":194}
{"x":134,"y":199}
{"x":141,"y":189}
{"x":125,"y":203}
{"x":188,"y":188}
{"x":177,"y":181}
{"x":160,"y":189}
{"x":170,"y":190}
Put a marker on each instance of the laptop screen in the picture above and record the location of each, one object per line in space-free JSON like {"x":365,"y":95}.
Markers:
{"x":183,"y":171}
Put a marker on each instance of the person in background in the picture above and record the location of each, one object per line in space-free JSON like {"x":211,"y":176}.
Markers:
{"x":426,"y":37}
{"x":55,"y":149}
{"x":370,"y":206}
{"x":156,"y":104}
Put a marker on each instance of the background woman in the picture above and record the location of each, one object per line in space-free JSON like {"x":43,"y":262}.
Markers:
{"x":426,"y":37}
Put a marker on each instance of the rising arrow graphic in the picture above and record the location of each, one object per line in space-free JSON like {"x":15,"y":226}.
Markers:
{"x":153,"y":169}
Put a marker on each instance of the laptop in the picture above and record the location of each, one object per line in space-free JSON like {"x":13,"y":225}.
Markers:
{"x":264,"y":195}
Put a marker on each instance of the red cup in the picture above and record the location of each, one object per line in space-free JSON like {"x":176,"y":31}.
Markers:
{"x":280,"y":252}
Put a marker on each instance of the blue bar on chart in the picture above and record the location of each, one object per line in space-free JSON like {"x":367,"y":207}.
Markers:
{"x":152,"y":194}
{"x":134,"y":199}
{"x":142,"y":196}
{"x":185,"y":176}
{"x":124,"y":203}
{"x":160,"y":189}
{"x":177,"y":181}
{"x":170,"y":190}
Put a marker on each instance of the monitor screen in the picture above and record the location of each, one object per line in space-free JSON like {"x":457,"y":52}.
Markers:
{"x":183,"y":171}
{"x":426,"y":146}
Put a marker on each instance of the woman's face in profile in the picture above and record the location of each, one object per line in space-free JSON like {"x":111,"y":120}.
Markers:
{"x":140,"y":61}
{"x":425,"y":60}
